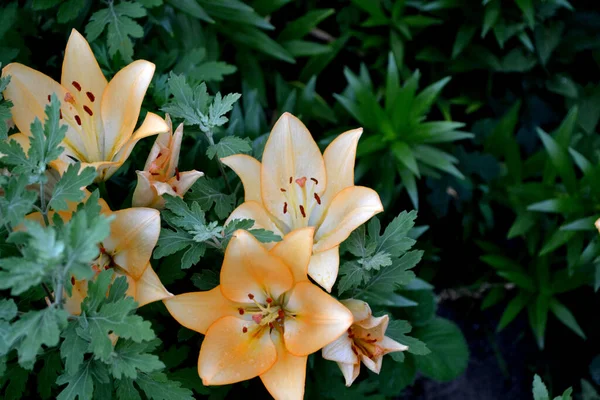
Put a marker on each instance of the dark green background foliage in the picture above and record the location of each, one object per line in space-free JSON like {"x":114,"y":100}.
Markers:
{"x":480,"y":114}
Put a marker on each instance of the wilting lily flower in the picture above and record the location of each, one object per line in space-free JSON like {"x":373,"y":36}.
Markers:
{"x":365,"y":341}
{"x":265,"y":318}
{"x":100,"y":116}
{"x":295,"y":187}
{"x":160,"y":174}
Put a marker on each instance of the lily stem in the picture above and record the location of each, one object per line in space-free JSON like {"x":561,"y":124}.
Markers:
{"x":219,"y":163}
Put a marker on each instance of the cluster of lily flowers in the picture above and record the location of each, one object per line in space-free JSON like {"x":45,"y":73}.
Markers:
{"x":266,"y":316}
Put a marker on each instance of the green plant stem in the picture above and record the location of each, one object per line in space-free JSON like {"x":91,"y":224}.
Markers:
{"x":219,"y":163}
{"x":48,"y":292}
{"x":43,"y":208}
{"x":104,"y":193}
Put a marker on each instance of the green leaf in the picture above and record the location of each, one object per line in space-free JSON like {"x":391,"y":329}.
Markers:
{"x":17,"y":200}
{"x":227,"y":146}
{"x":449,"y":351}
{"x":539,"y":389}
{"x":46,"y":378}
{"x":255,"y":39}
{"x":130,"y":358}
{"x":69,"y":10}
{"x":8,"y":309}
{"x":80,"y":384}
{"x":566,"y":317}
{"x":192,"y":8}
{"x":528,"y":10}
{"x":581,"y":224}
{"x":404,"y":154}
{"x":73,"y":348}
{"x":491,"y":16}
{"x":204,"y":191}
{"x":158,"y":387}
{"x":389,"y":278}
{"x":186,"y":217}
{"x":381,"y":259}
{"x":302,"y":26}
{"x":120,"y":26}
{"x":424,"y":100}
{"x":351,"y":275}
{"x":561,"y":205}
{"x":538,"y":317}
{"x":463,"y":38}
{"x":37,"y":328}
{"x":560,"y":159}
{"x":68,"y":188}
{"x":397,"y":330}
{"x":513,"y":308}
{"x":394,"y":239}
{"x":170,"y":242}
{"x":190,"y":101}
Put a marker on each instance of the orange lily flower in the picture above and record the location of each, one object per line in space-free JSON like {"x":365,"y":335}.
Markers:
{"x":365,"y":341}
{"x":295,"y":187}
{"x":100,"y":116}
{"x":160,"y":174}
{"x":265,"y":318}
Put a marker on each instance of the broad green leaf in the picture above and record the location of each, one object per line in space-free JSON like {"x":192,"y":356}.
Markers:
{"x":528,"y":10}
{"x":449,"y":351}
{"x":157,"y":386}
{"x":463,"y":38}
{"x":227,"y":146}
{"x":129,"y":358}
{"x":397,"y":330}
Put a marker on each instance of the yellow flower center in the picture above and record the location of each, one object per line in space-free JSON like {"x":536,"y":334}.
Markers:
{"x":300,"y":199}
{"x":365,"y":344}
{"x":270,"y":315}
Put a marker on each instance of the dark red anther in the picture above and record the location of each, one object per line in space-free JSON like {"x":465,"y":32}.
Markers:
{"x":154,"y":173}
{"x":315,"y":181}
{"x":69,"y":98}
{"x":301,"y":181}
{"x":106,"y":267}
{"x":280,"y":314}
{"x":241,"y":311}
{"x":269,"y":300}
{"x":302,"y":211}
{"x":371,"y":340}
{"x":284,"y":208}
{"x":318,"y":199}
{"x":351,"y":336}
{"x":88,"y":110}
{"x":60,"y":113}
{"x":271,"y":325}
{"x":90,"y":96}
{"x":244,"y":329}
{"x":76,"y":85}
{"x":49,"y":99}
{"x":78,"y":120}
{"x":159,"y":154}
{"x":174,"y":189}
{"x":368,"y":334}
{"x":72,"y":280}
{"x":250,"y":296}
{"x":177,"y":176}
{"x":102,"y":250}
{"x":282,"y":189}
{"x":290,"y":179}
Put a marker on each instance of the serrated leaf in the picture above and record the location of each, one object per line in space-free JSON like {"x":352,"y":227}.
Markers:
{"x":380,"y":259}
{"x":227,"y":146}
{"x":69,"y":187}
{"x":351,"y":275}
{"x":539,"y":389}
{"x":204,"y":191}
{"x":8,"y":309}
{"x":37,"y":328}
{"x":397,"y":330}
{"x":157,"y":386}
{"x":80,"y":384}
{"x":118,"y":20}
{"x":129,"y":358}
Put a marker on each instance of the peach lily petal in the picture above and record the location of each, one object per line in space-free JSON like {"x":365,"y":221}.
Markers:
{"x":295,"y":250}
{"x":319,"y":319}
{"x":198,"y":310}
{"x":248,"y":169}
{"x":285,"y":379}
{"x":324,"y":266}
{"x":230,"y":355}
